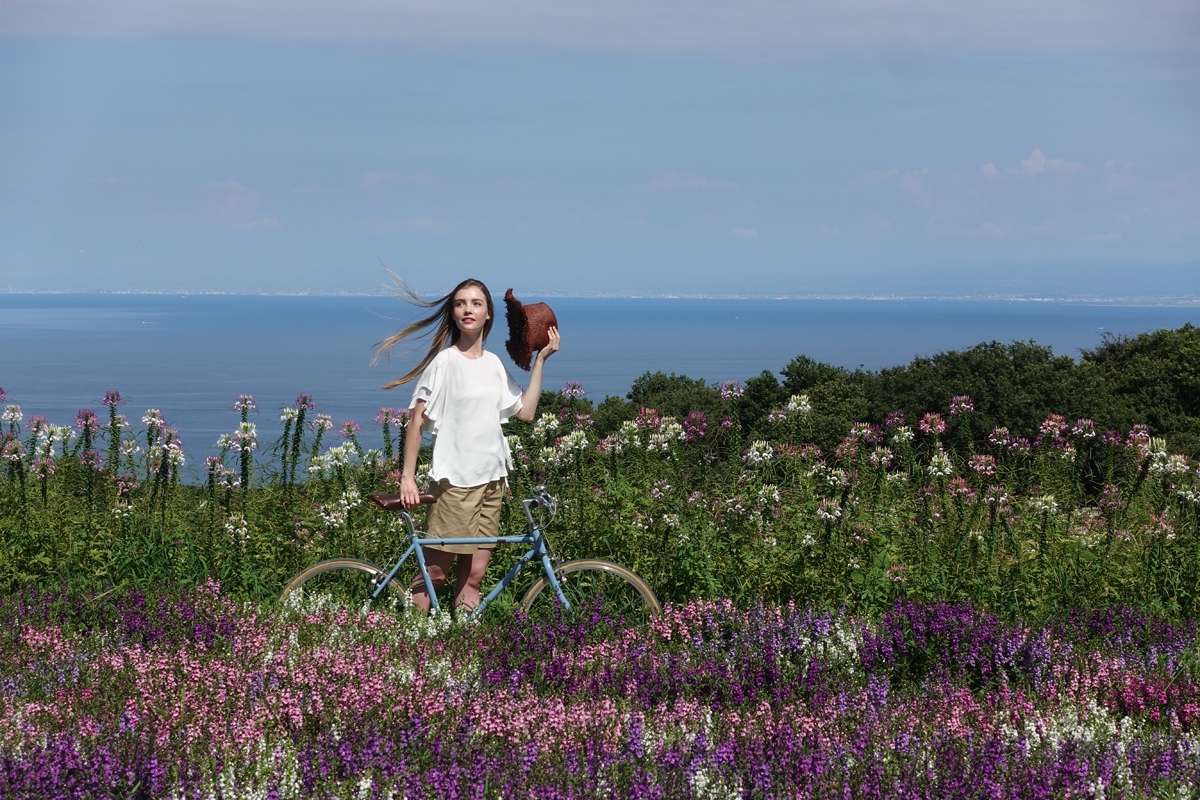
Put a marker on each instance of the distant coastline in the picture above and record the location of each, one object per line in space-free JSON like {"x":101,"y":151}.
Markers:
{"x":1132,"y":300}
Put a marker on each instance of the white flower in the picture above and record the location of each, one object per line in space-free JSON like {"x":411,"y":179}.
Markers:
{"x":629,"y":433}
{"x":237,"y":527}
{"x":769,"y":493}
{"x":546,"y":426}
{"x":759,"y":453}
{"x":574,"y":443}
{"x":289,"y":415}
{"x":12,"y":415}
{"x":939,"y":465}
{"x":799,"y":404}
{"x":1046,"y":504}
{"x":903,"y":435}
{"x":670,"y":429}
{"x":830,"y":509}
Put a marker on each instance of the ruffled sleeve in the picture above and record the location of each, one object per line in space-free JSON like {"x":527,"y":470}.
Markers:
{"x":510,"y":395}
{"x":431,"y":388}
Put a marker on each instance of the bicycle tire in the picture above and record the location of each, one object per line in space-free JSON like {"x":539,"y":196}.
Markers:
{"x":342,"y":582}
{"x":595,"y":589}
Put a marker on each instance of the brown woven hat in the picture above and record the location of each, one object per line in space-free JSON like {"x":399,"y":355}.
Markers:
{"x":528,"y":328}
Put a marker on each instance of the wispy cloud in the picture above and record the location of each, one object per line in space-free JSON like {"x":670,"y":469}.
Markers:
{"x":745,"y":233}
{"x":911,"y":182}
{"x":1036,"y":164}
{"x":993,"y":230}
{"x":1118,"y":175}
{"x":421,"y":222}
{"x":233,"y":205}
{"x":371,"y":179}
{"x":682,"y":180}
{"x":706,"y":26}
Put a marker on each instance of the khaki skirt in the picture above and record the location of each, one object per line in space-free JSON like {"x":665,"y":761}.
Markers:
{"x":469,"y":513}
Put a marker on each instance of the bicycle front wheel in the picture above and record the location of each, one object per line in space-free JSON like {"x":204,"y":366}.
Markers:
{"x":595,"y":589}
{"x":338,"y":583}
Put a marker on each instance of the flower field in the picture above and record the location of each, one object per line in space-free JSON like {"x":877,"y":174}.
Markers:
{"x":921,"y":508}
{"x":195,"y":694}
{"x":934,"y":602}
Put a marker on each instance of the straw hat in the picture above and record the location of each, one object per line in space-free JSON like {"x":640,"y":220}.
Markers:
{"x":528,"y":327}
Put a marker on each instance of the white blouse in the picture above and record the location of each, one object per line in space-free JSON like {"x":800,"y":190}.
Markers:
{"x":466,"y":401}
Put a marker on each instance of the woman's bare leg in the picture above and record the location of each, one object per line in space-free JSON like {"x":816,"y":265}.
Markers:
{"x":468,"y":578}
{"x":437,"y":564}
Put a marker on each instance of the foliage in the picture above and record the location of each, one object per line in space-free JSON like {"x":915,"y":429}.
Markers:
{"x":1022,"y":528}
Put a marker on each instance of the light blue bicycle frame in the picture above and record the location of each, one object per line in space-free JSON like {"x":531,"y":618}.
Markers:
{"x":537,"y":550}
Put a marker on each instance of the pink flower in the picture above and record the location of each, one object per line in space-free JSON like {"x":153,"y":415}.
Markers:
{"x":933,"y":424}
{"x":112,"y":399}
{"x":244,"y":403}
{"x":695,"y":426}
{"x":647,"y":418}
{"x":305,"y":402}
{"x":86,"y":420}
{"x":2,"y":395}
{"x":349,"y":429}
{"x":1054,"y":425}
{"x":983,"y":465}
{"x":43,"y":468}
{"x":894,"y":419}
{"x":1000,"y":437}
{"x":961,"y":405}
{"x":731,"y":390}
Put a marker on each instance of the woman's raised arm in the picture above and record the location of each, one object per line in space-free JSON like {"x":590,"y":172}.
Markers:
{"x":533,"y":393}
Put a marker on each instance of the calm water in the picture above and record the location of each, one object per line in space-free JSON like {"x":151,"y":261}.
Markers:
{"x":192,"y":356}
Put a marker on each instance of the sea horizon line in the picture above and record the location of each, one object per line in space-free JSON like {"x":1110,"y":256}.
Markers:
{"x":1139,"y":300}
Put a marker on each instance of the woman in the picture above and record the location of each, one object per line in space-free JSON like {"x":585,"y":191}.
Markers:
{"x":462,"y":397}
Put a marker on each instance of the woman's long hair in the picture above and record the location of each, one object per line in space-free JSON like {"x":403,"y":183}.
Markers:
{"x":445,"y":332}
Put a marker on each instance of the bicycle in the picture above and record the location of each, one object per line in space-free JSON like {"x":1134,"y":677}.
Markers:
{"x":581,"y":586}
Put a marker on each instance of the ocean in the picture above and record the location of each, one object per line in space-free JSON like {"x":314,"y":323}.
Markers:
{"x":191,"y":356}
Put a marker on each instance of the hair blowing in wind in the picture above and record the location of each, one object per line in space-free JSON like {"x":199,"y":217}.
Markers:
{"x":440,"y":323}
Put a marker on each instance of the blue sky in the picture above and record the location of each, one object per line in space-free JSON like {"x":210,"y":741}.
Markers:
{"x":761,"y":148}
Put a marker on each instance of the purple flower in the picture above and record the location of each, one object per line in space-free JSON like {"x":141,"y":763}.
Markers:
{"x":349,"y":429}
{"x":2,"y":395}
{"x":961,"y":404}
{"x":43,"y":468}
{"x":731,"y":390}
{"x":305,"y":402}
{"x":244,"y":403}
{"x":695,"y":426}
{"x":86,"y":420}
{"x":112,"y":399}
{"x":384,"y":417}
{"x":573,"y":389}
{"x":894,"y":419}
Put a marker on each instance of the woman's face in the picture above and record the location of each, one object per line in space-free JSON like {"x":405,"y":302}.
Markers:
{"x":470,"y":309}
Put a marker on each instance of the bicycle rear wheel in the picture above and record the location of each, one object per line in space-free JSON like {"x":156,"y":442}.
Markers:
{"x":595,"y":589}
{"x":338,"y":583}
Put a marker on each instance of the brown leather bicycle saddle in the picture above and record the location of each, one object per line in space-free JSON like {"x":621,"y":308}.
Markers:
{"x":392,"y":502}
